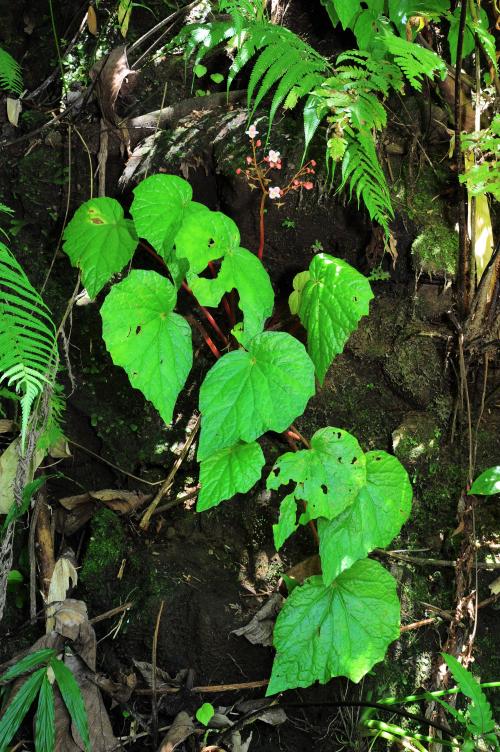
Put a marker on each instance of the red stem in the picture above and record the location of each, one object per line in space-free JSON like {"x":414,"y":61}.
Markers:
{"x":208,"y":340}
{"x":260,"y":252}
{"x":208,"y":316}
{"x":225,"y":302}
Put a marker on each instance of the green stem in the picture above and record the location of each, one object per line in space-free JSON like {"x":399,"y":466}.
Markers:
{"x":58,"y":49}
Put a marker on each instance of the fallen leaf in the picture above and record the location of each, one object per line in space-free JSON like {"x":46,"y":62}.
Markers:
{"x":180,"y":730}
{"x":495,"y":586}
{"x":14,"y":109}
{"x":304,"y":569}
{"x":63,"y":578}
{"x":109,"y":74}
{"x":163,"y":679}
{"x":259,"y":631}
{"x":92,"y":21}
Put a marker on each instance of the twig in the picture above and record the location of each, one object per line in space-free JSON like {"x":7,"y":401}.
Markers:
{"x":154,"y":704}
{"x":432,"y":562}
{"x":165,"y":488}
{"x":176,"y":502}
{"x":160,"y":25}
{"x":112,"y":612}
{"x":208,"y":689}
{"x":115,"y":467}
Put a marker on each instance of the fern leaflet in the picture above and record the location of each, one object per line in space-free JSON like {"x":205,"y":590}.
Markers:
{"x":27,"y":335}
{"x":415,"y":61}
{"x":10,"y":73}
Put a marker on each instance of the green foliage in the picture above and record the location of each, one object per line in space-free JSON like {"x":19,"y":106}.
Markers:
{"x":205,"y":713}
{"x":332,"y":301}
{"x":146,"y":337}
{"x":263,"y":384}
{"x":39,"y":682}
{"x":18,"y":510}
{"x":100,"y":241}
{"x":10,"y":73}
{"x":341,"y":629}
{"x":484,"y":176}
{"x":488,"y":483}
{"x":27,"y":335}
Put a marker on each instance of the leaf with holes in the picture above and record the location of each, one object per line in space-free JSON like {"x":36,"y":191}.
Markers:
{"x":243,"y":271}
{"x":372,"y":521}
{"x":228,"y":472}
{"x":329,"y":475}
{"x":159,"y":205}
{"x":246,"y":394}
{"x":332,"y":302}
{"x":99,"y":241}
{"x":287,"y":524}
{"x":205,"y":236}
{"x":341,"y":629}
{"x":146,"y":338}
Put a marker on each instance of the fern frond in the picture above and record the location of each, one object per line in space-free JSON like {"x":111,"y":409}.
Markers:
{"x":361,"y":170}
{"x":414,"y":61}
{"x":10,"y":73}
{"x":27,"y":335}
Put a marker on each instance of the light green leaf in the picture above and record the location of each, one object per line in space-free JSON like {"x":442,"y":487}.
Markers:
{"x":287,"y":524}
{"x":45,"y":729}
{"x":332,"y":303}
{"x":199,"y":70}
{"x":480,"y":711}
{"x":158,"y":208}
{"x":488,"y":483}
{"x":27,"y":663}
{"x":342,"y":629}
{"x":329,"y":476}
{"x":228,"y":472}
{"x":299,"y":282}
{"x":73,"y":699}
{"x":246,"y":394}
{"x":99,"y":241}
{"x":205,"y":713}
{"x":243,"y":271}
{"x":372,"y":521}
{"x":205,"y":236}
{"x":217,"y":78}
{"x":147,"y":339}
{"x":19,"y":706}
{"x":468,"y":43}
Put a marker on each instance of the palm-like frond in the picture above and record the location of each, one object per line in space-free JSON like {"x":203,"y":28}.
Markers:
{"x":416,"y":62}
{"x":10,"y":73}
{"x":27,"y":335}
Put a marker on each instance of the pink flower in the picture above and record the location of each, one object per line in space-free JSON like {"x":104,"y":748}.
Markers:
{"x":238,"y":171}
{"x":274,"y":156}
{"x":313,"y":162}
{"x":258,"y":142}
{"x":308,"y":186}
{"x":252,"y":131}
{"x":275,"y":192}
{"x":249,"y":160}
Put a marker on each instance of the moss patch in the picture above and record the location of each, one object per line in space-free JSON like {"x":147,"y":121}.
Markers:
{"x":106,"y":547}
{"x":436,"y":250}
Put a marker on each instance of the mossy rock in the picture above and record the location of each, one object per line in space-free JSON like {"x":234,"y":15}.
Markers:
{"x":435,"y":251}
{"x":415,"y":369}
{"x":106,"y":548}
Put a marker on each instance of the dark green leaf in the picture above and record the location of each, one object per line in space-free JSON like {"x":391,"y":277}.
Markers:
{"x":228,"y":472}
{"x":27,"y":663}
{"x":45,"y":729}
{"x":372,"y":521}
{"x":72,"y":696}
{"x":342,"y":629}
{"x":19,"y":706}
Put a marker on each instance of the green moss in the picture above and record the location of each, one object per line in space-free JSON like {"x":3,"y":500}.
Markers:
{"x":106,"y":547}
{"x":436,"y":250}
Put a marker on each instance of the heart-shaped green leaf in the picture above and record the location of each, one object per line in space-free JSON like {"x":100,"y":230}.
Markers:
{"x":373,"y":520}
{"x":147,"y":339}
{"x":488,"y":483}
{"x":246,"y":394}
{"x":331,"y":304}
{"x":99,"y":241}
{"x":228,"y":472}
{"x":287,"y":523}
{"x":342,"y":629}
{"x":158,"y":209}
{"x":205,"y":236}
{"x":329,"y":475}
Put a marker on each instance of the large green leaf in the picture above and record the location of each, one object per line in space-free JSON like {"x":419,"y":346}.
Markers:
{"x":246,"y":394}
{"x":158,"y":209}
{"x":228,"y":472}
{"x":480,"y":710}
{"x":342,"y":629}
{"x":205,"y":236}
{"x":488,"y":483}
{"x":332,"y":302}
{"x":373,"y":520}
{"x":45,"y":729}
{"x":243,"y":271}
{"x":349,"y":10}
{"x":19,"y":706}
{"x":400,"y":11}
{"x":329,"y":475}
{"x":147,"y":339}
{"x":99,"y":241}
{"x":73,"y":699}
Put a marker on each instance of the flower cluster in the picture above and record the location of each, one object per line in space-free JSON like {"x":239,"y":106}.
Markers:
{"x":257,"y":171}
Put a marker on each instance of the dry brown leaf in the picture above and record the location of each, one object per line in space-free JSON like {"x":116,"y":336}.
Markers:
{"x":163,"y":679}
{"x":259,"y":631}
{"x":180,"y":730}
{"x":7,"y":426}
{"x":109,"y":75}
{"x":123,"y":502}
{"x":14,"y":109}
{"x":92,"y":21}
{"x":63,"y":578}
{"x":306,"y":568}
